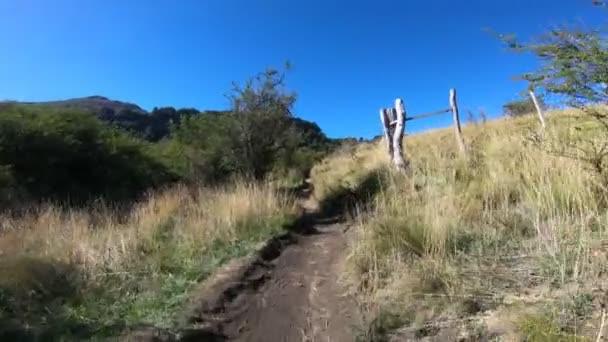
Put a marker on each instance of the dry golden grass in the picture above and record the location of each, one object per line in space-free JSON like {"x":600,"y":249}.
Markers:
{"x":96,"y":241}
{"x":452,"y":237}
{"x":139,"y":267}
{"x":346,"y":168}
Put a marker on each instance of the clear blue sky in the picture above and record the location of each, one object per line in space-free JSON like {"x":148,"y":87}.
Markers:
{"x":350,"y":57}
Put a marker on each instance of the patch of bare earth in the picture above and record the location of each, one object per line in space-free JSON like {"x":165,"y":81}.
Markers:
{"x":289,"y":291}
{"x":302,"y":300}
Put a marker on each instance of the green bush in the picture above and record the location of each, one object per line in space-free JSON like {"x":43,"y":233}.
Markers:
{"x":256,"y":138}
{"x":63,"y":155}
{"x":77,"y":151}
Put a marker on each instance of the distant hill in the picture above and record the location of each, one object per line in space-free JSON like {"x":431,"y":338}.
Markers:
{"x":97,"y":104}
{"x":155,"y":125}
{"x":151,"y":126}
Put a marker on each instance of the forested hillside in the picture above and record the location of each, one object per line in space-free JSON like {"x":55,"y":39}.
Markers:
{"x":94,"y":148}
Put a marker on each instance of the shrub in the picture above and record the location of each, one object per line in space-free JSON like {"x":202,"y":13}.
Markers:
{"x":73,"y":157}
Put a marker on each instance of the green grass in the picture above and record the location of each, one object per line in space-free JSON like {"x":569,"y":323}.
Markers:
{"x":545,"y":329}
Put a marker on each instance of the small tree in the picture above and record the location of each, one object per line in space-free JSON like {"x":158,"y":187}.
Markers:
{"x":261,"y":108}
{"x":574,"y":66}
{"x":256,"y":137}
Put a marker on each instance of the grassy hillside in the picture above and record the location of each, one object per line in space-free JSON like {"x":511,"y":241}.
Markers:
{"x":508,"y":242}
{"x":76,"y":274}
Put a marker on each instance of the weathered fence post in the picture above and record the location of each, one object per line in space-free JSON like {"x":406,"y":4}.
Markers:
{"x":393,"y":123}
{"x":386,"y":127}
{"x":539,"y":110}
{"x":457,"y":129}
{"x":398,"y":160}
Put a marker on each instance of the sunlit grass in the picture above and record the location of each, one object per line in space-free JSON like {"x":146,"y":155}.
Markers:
{"x":518,"y":214}
{"x":75,"y":268}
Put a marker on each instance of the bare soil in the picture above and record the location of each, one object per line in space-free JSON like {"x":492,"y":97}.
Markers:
{"x":302,"y":299}
{"x":289,"y":291}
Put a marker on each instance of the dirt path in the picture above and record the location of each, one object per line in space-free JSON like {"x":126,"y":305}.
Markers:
{"x":302,"y":299}
{"x":290,"y":291}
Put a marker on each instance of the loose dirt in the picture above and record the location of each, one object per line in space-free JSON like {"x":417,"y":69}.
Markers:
{"x":302,"y":300}
{"x":289,"y":291}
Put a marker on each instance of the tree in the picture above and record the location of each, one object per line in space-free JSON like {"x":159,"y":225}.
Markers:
{"x":261,"y":109}
{"x":574,"y":67}
{"x":574,"y":64}
{"x":257,"y":137}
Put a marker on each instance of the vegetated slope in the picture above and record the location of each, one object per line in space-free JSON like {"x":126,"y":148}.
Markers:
{"x":84,"y":149}
{"x":154,"y":125}
{"x":508,"y":242}
{"x":71,"y":274}
{"x":98,"y":269}
{"x":96,"y":104}
{"x":151,"y":126}
{"x":71,"y":156}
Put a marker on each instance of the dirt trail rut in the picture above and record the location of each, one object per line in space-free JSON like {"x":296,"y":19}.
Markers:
{"x":289,"y":292}
{"x":302,"y":300}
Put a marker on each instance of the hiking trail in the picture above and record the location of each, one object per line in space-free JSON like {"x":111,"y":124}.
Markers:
{"x":289,"y":291}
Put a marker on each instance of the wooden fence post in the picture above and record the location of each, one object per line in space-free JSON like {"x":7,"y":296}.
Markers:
{"x":398,"y":159}
{"x":539,"y":110}
{"x":393,"y":124}
{"x":386,"y":127}
{"x":457,"y":129}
